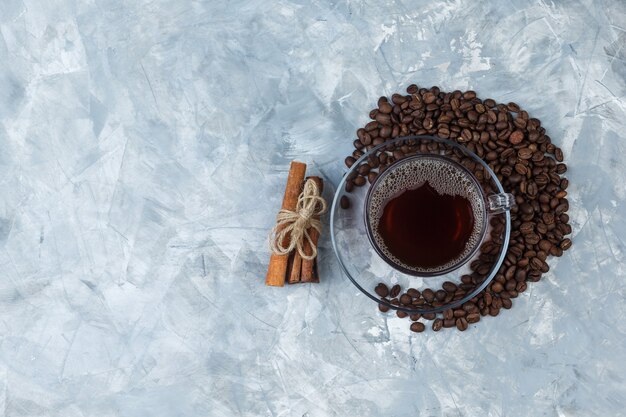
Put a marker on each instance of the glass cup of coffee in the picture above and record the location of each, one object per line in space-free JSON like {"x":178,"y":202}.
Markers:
{"x":425,"y":213}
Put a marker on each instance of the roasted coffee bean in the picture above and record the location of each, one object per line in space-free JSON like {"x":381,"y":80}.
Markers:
{"x":383,"y":308}
{"x":417,"y":327}
{"x":412,"y":89}
{"x":516,"y":137}
{"x":395,"y":291}
{"x":350,"y":161}
{"x":459,"y":312}
{"x":401,"y":314}
{"x":406,"y":299}
{"x":558,"y":154}
{"x":359,"y":181}
{"x":413,"y":292}
{"x":428,"y":295}
{"x":524,"y":153}
{"x":437,"y":325}
{"x":415,"y":316}
{"x":448,"y":323}
{"x":565,"y":244}
{"x":382,"y":290}
{"x":461,"y":324}
{"x":473,"y":317}
{"x":371,"y":177}
{"x":429,"y":316}
{"x":449,"y":286}
{"x":385,"y":108}
{"x":344,"y":203}
{"x":506,"y":303}
{"x":363,"y":169}
{"x":448,"y":314}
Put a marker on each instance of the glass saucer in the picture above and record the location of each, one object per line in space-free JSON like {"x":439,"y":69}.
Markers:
{"x":362,"y":264}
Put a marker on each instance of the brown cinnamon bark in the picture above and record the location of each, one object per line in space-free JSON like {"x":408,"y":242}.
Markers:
{"x":295,"y":267}
{"x":277,"y":269}
{"x":309,"y":267}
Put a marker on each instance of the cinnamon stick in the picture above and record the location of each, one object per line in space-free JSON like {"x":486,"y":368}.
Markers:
{"x":309,"y":271}
{"x":295,"y":266}
{"x":277,"y":268}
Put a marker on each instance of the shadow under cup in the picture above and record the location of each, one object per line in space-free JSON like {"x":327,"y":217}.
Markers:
{"x":364,"y":261}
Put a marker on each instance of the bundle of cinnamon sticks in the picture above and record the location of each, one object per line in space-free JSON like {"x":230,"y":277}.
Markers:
{"x":293,"y":268}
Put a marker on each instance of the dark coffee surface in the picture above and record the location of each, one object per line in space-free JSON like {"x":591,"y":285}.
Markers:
{"x":425,"y":229}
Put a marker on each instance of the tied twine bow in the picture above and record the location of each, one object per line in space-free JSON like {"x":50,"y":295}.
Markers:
{"x":295,"y":225}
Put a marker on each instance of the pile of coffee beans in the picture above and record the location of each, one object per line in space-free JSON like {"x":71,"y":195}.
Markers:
{"x":527,"y":164}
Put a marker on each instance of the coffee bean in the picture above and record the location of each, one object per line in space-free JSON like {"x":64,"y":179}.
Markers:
{"x":448,"y":314}
{"x":429,"y":316}
{"x":382,"y":290}
{"x":359,"y":181}
{"x":449,"y":286}
{"x":405,"y":299}
{"x":428,"y":295}
{"x":524,"y":153}
{"x":371,"y":177}
{"x":415,"y":316}
{"x":395,"y":290}
{"x":461,"y":324}
{"x":363,"y":169}
{"x":344,"y":203}
{"x":558,"y":154}
{"x":350,"y":161}
{"x":413,"y":292}
{"x":437,"y":325}
{"x":516,"y":137}
{"x":473,"y":317}
{"x":459,"y":312}
{"x":385,"y":108}
{"x":417,"y":327}
{"x":565,"y":244}
{"x":429,"y":98}
{"x":448,"y":323}
{"x":412,"y":89}
{"x":401,"y":314}
{"x":383,"y":308}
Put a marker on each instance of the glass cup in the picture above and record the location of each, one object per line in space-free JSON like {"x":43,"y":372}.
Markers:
{"x":432,"y":168}
{"x":362,"y":259}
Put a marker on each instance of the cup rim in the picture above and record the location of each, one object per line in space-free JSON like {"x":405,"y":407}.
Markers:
{"x":460,"y":262}
{"x":333,"y":215}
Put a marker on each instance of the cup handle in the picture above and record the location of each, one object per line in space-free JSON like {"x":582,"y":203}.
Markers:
{"x":499,"y":203}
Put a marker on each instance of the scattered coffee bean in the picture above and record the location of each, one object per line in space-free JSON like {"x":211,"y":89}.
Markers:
{"x":395,"y":291}
{"x":382,"y":290}
{"x":437,"y":324}
{"x":417,"y":327}
{"x":461,"y":324}
{"x":344,"y":202}
{"x":405,"y":299}
{"x":429,"y":316}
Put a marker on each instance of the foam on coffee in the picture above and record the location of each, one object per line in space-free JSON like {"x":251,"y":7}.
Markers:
{"x":446,"y":179}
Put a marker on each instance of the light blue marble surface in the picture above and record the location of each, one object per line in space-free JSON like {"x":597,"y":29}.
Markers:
{"x":140,"y":140}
